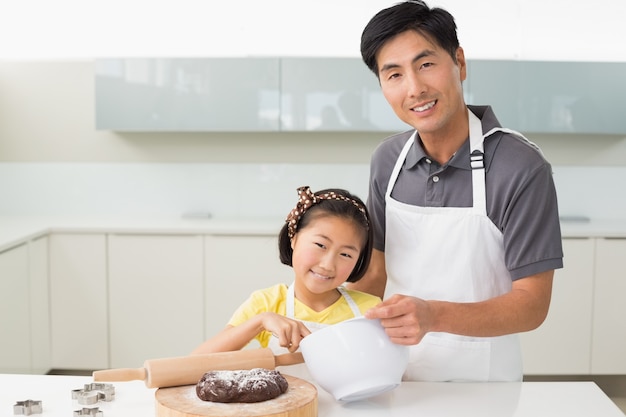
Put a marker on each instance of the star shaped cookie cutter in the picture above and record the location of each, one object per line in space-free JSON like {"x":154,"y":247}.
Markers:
{"x":89,"y":412}
{"x":27,"y":407}
{"x":94,"y":392}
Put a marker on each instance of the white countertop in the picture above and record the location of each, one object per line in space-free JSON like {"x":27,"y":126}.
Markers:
{"x":527,"y":399}
{"x":15,"y":230}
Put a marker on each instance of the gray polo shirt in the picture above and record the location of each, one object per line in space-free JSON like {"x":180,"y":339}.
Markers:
{"x":521,"y":197}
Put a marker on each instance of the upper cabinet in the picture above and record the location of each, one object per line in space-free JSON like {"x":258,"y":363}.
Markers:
{"x":341,"y":94}
{"x":208,"y":94}
{"x":333,"y":94}
{"x":240,"y":95}
{"x":551,"y":97}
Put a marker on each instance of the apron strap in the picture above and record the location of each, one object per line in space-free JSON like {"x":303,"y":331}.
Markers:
{"x":399,"y":162}
{"x":477,"y":153}
{"x":291,"y":301}
{"x":353,"y":306}
{"x":516,"y":133}
{"x":479,"y":194}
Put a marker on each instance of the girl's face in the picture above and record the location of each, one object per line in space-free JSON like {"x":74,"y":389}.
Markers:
{"x":325,"y":252}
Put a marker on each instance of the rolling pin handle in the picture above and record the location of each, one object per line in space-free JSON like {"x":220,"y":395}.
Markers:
{"x":123,"y":374}
{"x":289,"y":359}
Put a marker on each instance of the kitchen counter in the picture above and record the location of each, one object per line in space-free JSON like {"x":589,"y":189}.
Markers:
{"x":15,"y":230}
{"x":536,"y":399}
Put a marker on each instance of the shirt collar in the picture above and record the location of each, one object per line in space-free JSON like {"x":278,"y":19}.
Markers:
{"x":461,"y":157}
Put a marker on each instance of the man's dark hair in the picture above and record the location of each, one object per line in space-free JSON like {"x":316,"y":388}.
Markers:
{"x":437,"y":25}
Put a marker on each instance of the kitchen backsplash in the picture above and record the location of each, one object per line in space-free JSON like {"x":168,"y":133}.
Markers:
{"x":224,"y":190}
{"x":238,"y":190}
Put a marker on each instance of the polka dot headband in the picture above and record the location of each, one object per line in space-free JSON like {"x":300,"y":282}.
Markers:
{"x":307,"y":199}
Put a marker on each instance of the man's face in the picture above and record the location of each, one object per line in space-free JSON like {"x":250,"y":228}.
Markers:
{"x":422,"y":83}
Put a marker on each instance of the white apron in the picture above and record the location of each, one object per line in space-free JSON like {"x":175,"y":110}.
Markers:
{"x":300,"y":370}
{"x":454,"y":254}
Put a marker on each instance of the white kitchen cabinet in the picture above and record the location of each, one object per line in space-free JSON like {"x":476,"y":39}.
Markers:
{"x":14,"y":311}
{"x":78,"y":301}
{"x":187,"y":94}
{"x":341,"y":94}
{"x":333,"y":94}
{"x":24,"y":308}
{"x":94,"y":301}
{"x":156,"y":297}
{"x":41,"y":354}
{"x":271,"y":94}
{"x":562,"y":344}
{"x":609,"y":313}
{"x":235,"y":267}
{"x":534,"y":96}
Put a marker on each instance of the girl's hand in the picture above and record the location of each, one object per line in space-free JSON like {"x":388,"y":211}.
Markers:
{"x":288,"y":331}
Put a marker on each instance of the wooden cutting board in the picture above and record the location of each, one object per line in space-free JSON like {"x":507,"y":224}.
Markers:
{"x":300,"y":400}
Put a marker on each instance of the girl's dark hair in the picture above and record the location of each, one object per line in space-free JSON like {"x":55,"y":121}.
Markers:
{"x":435,"y":24}
{"x":339,"y":208}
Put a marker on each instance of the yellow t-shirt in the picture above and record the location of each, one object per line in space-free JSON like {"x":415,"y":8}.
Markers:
{"x":273,"y":299}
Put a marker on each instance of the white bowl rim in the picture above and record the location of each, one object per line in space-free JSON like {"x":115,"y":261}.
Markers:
{"x":347,"y":321}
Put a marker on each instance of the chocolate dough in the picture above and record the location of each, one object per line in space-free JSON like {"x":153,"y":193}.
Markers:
{"x":243,"y":386}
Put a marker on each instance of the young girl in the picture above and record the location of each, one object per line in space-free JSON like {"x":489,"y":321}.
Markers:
{"x":327,"y":240}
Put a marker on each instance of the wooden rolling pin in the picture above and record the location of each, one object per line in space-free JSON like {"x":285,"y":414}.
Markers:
{"x":187,"y":370}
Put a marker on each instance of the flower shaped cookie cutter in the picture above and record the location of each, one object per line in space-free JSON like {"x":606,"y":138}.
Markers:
{"x":94,"y":392}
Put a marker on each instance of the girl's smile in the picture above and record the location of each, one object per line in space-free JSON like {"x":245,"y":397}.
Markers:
{"x":325,"y":253}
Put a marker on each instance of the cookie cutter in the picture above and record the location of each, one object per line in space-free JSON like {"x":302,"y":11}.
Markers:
{"x":94,"y":392}
{"x":89,"y":412}
{"x":27,"y":407}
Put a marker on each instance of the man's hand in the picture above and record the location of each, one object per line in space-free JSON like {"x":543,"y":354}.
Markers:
{"x":405,"y":319}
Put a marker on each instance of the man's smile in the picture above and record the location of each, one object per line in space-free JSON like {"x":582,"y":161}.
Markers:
{"x":425,"y":107}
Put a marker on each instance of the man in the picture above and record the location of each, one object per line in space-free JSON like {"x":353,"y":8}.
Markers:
{"x":465,"y":216}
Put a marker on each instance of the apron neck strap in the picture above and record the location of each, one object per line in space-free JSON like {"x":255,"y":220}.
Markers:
{"x":291,"y":302}
{"x":476,"y":160}
{"x":477,"y":155}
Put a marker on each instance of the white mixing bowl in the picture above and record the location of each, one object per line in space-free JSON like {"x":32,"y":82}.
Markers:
{"x":354,"y":359}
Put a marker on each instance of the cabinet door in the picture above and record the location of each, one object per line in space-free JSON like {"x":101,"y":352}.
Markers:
{"x":536,"y":96}
{"x":39,"y":305}
{"x":155,"y":296}
{"x":78,"y":301}
{"x":14,"y":311}
{"x":609,"y":315}
{"x":235,"y":267}
{"x":496,"y":83}
{"x":333,"y":94}
{"x":561,"y":345}
{"x":187,"y":94}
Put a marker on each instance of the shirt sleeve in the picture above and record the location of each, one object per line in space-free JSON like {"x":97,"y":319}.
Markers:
{"x":260,"y":301}
{"x":532,"y":232}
